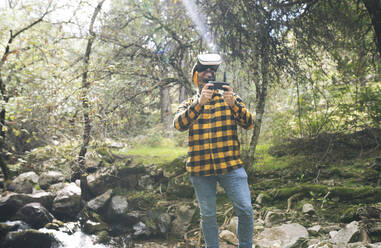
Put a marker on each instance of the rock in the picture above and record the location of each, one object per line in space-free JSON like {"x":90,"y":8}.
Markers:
{"x":103,"y":179}
{"x":28,"y":238}
{"x":176,"y":191}
{"x":24,"y":183}
{"x":229,"y":237}
{"x":274,"y":217}
{"x":91,"y":227}
{"x":184,"y":215}
{"x":233,"y":224}
{"x":50,"y":177}
{"x":34,"y":214}
{"x":350,"y":233}
{"x":141,"y":230}
{"x":10,"y":203}
{"x":99,"y":203}
{"x":164,"y":223}
{"x":281,"y":236}
{"x":54,"y":188}
{"x":118,"y":208}
{"x":308,"y":209}
{"x":67,"y":203}
{"x":146,"y":182}
{"x":314,"y":230}
{"x":44,"y":198}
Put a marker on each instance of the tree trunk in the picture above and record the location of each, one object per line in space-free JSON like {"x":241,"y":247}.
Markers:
{"x":165,"y":107}
{"x":85,"y":100}
{"x":374,"y":10}
{"x":181,"y":93}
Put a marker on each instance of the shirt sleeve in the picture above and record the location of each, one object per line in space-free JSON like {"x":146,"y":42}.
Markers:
{"x":242,"y":115}
{"x":187,"y":113}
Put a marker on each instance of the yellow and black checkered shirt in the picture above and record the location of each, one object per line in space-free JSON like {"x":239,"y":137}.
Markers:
{"x":213,"y":146}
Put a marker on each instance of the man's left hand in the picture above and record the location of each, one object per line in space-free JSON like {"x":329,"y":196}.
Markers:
{"x":228,"y":95}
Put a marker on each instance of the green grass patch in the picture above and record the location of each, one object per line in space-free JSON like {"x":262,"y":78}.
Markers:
{"x":157,"y":154}
{"x":265,"y":162}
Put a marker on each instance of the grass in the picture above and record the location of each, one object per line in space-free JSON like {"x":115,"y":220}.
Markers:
{"x":158,"y":154}
{"x":265,"y":162}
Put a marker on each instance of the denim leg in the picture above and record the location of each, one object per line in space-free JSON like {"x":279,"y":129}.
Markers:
{"x":205,"y":189}
{"x":236,"y":187}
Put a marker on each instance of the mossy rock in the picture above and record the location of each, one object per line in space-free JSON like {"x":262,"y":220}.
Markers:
{"x":177,"y":166}
{"x":142,"y":200}
{"x":365,"y":194}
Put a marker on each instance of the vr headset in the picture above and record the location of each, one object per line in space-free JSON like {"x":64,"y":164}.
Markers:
{"x":212,"y":61}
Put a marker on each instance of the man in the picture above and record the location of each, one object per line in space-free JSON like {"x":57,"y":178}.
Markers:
{"x":214,"y":151}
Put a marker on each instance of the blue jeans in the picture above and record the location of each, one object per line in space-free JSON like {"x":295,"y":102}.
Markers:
{"x":236,"y":187}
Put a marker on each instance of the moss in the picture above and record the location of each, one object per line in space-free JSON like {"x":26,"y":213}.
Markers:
{"x":365,"y":194}
{"x":144,"y":199}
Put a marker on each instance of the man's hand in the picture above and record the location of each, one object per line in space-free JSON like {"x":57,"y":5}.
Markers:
{"x":206,"y":94}
{"x":229,"y":95}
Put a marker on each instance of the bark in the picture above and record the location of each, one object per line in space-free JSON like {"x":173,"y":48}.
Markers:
{"x":85,"y":100}
{"x":374,"y":9}
{"x":181,"y":93}
{"x":165,"y":107}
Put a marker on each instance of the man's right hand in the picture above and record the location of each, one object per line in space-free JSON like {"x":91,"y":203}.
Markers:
{"x":206,"y":94}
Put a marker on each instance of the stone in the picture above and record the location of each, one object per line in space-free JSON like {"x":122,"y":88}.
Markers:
{"x":146,"y":182}
{"x":118,"y":208}
{"x":164,"y":223}
{"x":308,"y":209}
{"x":99,"y":203}
{"x":184,"y":215}
{"x":141,"y":230}
{"x":350,"y":233}
{"x":229,"y":237}
{"x":24,"y":183}
{"x":285,"y":235}
{"x":67,"y":203}
{"x":54,"y":188}
{"x":35,"y":215}
{"x":102,"y":180}
{"x":91,"y":227}
{"x":28,"y":238}
{"x":50,"y":177}
{"x":274,"y":217}
{"x":44,"y":198}
{"x":314,"y":230}
{"x":10,"y":203}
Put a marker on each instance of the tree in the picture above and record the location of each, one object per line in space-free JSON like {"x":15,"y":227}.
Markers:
{"x":13,"y":35}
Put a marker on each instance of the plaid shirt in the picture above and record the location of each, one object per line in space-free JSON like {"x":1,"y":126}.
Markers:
{"x":213,"y":146}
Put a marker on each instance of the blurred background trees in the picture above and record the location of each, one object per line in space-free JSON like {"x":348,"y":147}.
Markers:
{"x":303,"y":67}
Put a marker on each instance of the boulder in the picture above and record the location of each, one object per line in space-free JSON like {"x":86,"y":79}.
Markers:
{"x":24,"y":183}
{"x":28,"y":238}
{"x":99,"y":203}
{"x":10,"y":203}
{"x":50,"y":177}
{"x":67,"y":203}
{"x":349,"y":234}
{"x":281,"y":236}
{"x":44,"y":198}
{"x":103,"y":179}
{"x":35,"y":215}
{"x":118,"y":208}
